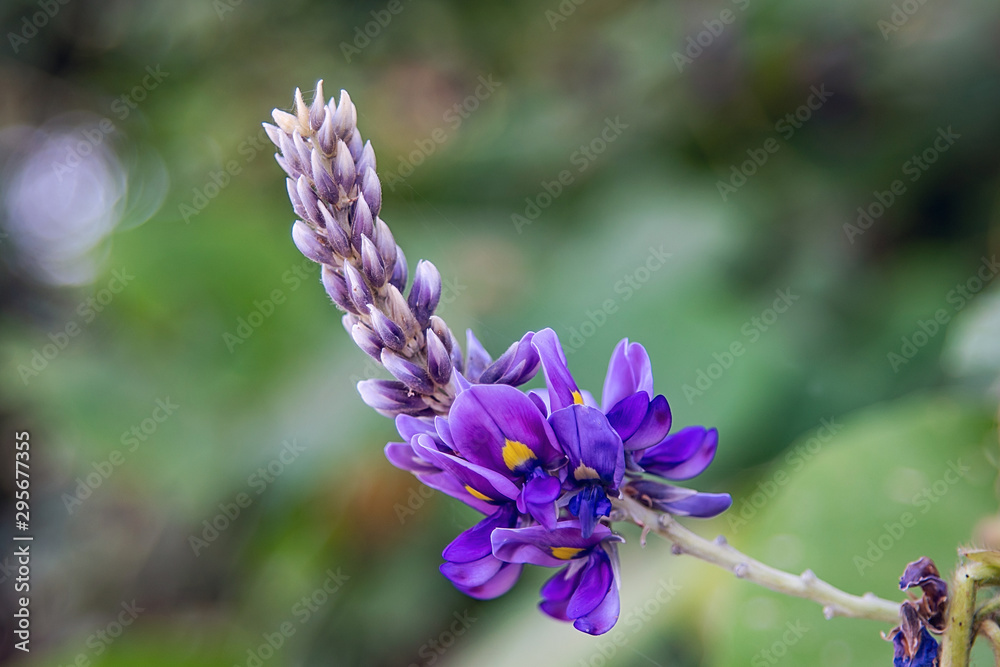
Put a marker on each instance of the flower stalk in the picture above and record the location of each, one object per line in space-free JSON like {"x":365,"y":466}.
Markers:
{"x":807,"y":585}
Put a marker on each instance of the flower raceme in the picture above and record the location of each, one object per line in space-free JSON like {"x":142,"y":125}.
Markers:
{"x":542,"y":466}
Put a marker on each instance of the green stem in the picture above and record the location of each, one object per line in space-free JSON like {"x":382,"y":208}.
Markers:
{"x":961,"y":629}
{"x":806,"y":585}
{"x":989,"y":629}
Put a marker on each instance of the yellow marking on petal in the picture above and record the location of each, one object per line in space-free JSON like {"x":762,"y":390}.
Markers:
{"x":585,"y":472}
{"x":516,"y":454}
{"x":577,"y":398}
{"x":565,"y":553}
{"x":476,"y":494}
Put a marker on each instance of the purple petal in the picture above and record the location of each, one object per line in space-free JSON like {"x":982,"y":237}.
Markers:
{"x":516,"y":366}
{"x":593,"y":447}
{"x":401,"y":455}
{"x":502,"y":581}
{"x":549,"y":548}
{"x":628,"y":414}
{"x":472,"y":574}
{"x":474,"y":543}
{"x":478,"y":357}
{"x":538,"y":498}
{"x":562,"y":387}
{"x":683,"y":455}
{"x":629,"y":372}
{"x":603,"y":618}
{"x":498,"y":427}
{"x":678,"y":501}
{"x":595,"y":583}
{"x":444,"y":432}
{"x":450,"y":485}
{"x":654,"y":427}
{"x":490,"y":485}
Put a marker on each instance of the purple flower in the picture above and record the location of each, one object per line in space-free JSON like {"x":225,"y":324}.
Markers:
{"x":630,"y":433}
{"x":469,"y":561}
{"x":913,"y":645}
{"x":585,"y":591}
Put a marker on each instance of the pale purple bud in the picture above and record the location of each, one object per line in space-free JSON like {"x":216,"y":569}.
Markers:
{"x":335,"y":233}
{"x":273,"y":133}
{"x":407,"y":372}
{"x":361,"y":294}
{"x":390,"y":333}
{"x":516,"y":366}
{"x":348,"y":321}
{"x":390,"y":397}
{"x":426,"y":291}
{"x":283,"y":163}
{"x":307,"y":243}
{"x":385,"y":243}
{"x":398,"y":311}
{"x":355,"y":145}
{"x":343,"y":167}
{"x":293,"y":196}
{"x":336,"y":287}
{"x":308,"y":199}
{"x":301,"y":111}
{"x":371,"y":188}
{"x":302,"y":150}
{"x":325,"y":187}
{"x":290,"y":153}
{"x":317,"y":111}
{"x":362,"y":223}
{"x":439,"y":327}
{"x":400,"y":271}
{"x":438,"y":360}
{"x":479,"y":359}
{"x":367,"y":340}
{"x":367,"y":159}
{"x":345,"y":117}
{"x":371,"y":263}
{"x":326,"y":137}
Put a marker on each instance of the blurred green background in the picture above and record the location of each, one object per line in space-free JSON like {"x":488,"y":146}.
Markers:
{"x":177,"y":363}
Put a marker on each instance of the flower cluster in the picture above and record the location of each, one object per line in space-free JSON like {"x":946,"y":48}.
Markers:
{"x":337,"y":196}
{"x":912,"y":641}
{"x":545,"y":467}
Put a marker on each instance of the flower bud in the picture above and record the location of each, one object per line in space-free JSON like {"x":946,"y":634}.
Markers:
{"x":307,"y":243}
{"x":360,"y":293}
{"x":336,"y":287}
{"x":426,"y":291}
{"x":438,"y":361}
{"x":407,"y":372}
{"x":392,"y":336}
{"x":371,"y":263}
